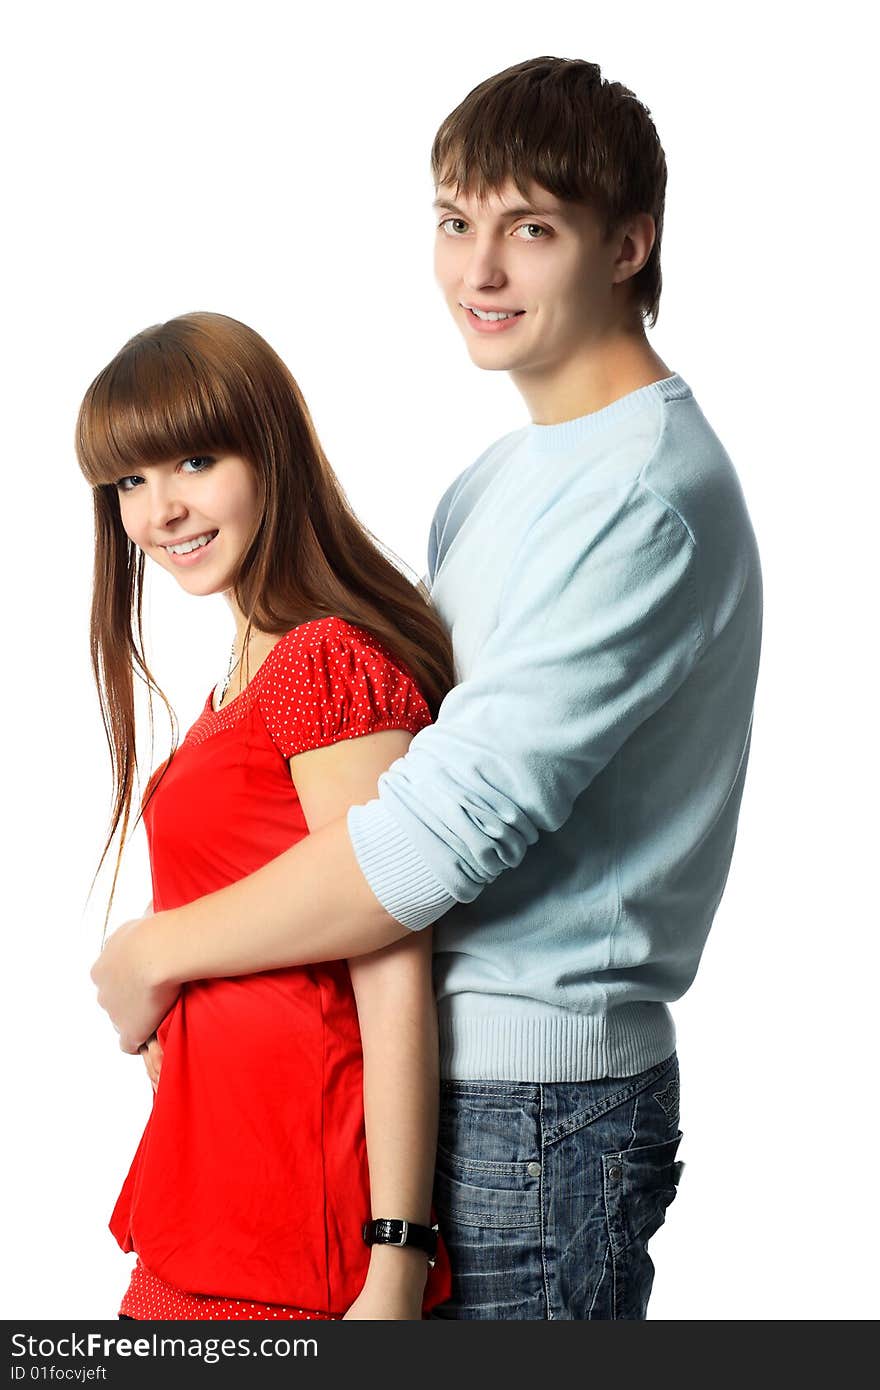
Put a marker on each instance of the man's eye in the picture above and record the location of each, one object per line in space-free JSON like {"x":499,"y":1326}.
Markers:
{"x":453,"y":226}
{"x":534,"y":231}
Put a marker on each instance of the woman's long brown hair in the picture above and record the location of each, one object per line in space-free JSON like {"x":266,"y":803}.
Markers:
{"x":204,"y":382}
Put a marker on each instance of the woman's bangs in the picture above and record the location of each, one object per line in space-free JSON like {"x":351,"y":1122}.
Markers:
{"x":147,"y":408}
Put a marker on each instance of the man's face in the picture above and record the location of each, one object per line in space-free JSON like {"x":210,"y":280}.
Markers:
{"x":538,"y":260}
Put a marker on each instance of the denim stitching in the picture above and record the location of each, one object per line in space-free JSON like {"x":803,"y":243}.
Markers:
{"x":616,"y":1299}
{"x":610,"y":1242}
{"x":517,"y":1090}
{"x":669,"y":1099}
{"x":634,"y":1136}
{"x":547,"y":1302}
{"x":611,"y":1102}
{"x":483,"y":1165}
{"x":630,"y":1145}
{"x":601,"y":1278}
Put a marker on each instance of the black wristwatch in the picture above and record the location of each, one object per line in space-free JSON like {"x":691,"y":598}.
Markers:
{"x":388,"y":1232}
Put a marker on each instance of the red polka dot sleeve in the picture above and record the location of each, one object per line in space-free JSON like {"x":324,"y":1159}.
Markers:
{"x":330,"y":681}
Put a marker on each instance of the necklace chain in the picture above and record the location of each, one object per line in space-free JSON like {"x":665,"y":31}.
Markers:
{"x":224,"y":684}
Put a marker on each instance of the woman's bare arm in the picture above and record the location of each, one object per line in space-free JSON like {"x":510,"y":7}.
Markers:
{"x":398,"y":1021}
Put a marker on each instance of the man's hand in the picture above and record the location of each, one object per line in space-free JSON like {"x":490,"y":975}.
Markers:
{"x":127,"y":989}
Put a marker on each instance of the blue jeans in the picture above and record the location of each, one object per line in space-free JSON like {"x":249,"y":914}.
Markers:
{"x":547,"y":1195}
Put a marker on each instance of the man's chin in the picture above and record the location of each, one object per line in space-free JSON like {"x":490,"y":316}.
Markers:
{"x":490,"y":356}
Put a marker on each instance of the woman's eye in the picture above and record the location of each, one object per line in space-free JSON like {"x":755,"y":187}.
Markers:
{"x":453,"y":226}
{"x":535,"y":232}
{"x":203,"y":462}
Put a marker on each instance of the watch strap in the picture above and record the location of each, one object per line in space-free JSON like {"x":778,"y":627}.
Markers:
{"x":386,"y":1231}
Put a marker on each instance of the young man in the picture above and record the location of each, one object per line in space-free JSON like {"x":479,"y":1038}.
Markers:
{"x":599,"y":575}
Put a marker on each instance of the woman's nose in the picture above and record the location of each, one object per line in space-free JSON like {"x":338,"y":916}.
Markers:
{"x":165,"y":502}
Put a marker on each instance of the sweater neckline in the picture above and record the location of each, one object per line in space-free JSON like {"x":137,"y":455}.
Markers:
{"x":570,"y":432}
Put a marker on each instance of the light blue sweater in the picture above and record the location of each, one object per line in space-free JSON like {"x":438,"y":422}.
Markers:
{"x":603,"y":589}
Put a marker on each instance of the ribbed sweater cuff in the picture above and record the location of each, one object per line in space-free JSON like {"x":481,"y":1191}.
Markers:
{"x":397,"y":874}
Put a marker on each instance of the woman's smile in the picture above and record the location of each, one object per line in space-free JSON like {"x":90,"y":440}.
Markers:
{"x":193,"y":555}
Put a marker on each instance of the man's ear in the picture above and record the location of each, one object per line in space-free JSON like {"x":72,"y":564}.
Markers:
{"x":635,"y":241}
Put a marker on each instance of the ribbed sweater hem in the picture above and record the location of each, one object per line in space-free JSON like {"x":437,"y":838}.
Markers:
{"x":555,"y":1046}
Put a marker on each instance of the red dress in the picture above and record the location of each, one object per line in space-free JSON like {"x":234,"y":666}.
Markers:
{"x":250,"y":1183}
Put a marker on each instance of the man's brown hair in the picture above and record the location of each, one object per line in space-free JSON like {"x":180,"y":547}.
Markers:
{"x":557,"y":122}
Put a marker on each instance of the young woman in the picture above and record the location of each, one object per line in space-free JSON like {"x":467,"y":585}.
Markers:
{"x":294,"y":1117}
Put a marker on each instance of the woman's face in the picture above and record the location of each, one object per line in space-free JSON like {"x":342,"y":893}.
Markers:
{"x":204,"y":495}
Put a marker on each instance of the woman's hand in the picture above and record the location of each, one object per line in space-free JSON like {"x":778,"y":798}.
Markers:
{"x":374,"y":1305}
{"x":127,"y":988}
{"x":152,"y":1053}
{"x":394,"y":1287}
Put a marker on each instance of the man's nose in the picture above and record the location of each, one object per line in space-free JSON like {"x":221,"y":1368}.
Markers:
{"x":485,"y":268}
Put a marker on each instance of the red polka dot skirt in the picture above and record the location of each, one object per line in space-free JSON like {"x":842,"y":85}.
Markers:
{"x":149,"y":1297}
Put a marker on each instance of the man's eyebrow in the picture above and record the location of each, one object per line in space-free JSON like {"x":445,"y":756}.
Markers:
{"x":525,"y":211}
{"x":533,"y":210}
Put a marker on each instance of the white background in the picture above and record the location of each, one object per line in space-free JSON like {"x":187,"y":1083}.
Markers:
{"x":271,"y":162}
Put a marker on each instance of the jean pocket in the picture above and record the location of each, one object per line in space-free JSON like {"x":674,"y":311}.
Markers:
{"x":484,"y":1194}
{"x":639,"y":1183}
